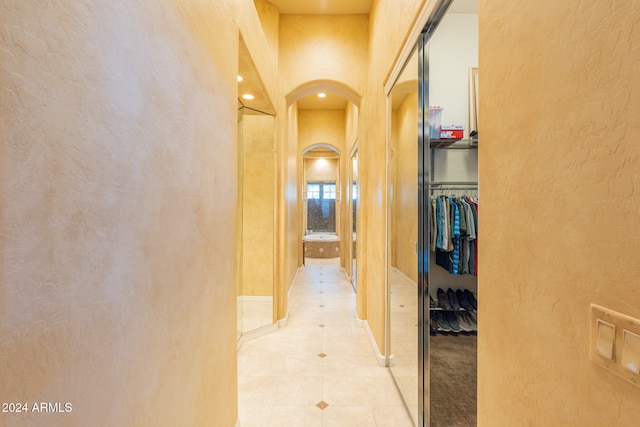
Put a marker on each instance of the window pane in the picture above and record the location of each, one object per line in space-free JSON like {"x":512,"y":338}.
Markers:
{"x":329,"y":191}
{"x":313,"y":191}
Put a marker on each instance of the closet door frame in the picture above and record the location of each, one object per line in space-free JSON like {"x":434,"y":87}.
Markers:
{"x":424,"y":215}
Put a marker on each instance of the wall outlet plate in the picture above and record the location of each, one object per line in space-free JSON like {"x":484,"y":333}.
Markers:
{"x":624,"y":351}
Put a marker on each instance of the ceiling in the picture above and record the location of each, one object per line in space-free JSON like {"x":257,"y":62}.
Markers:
{"x":330,"y":102}
{"x":323,"y":7}
{"x":347,"y":7}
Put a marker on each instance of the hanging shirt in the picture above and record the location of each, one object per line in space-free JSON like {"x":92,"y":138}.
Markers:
{"x":455,"y":219}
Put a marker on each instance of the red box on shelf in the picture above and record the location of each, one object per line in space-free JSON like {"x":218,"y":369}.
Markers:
{"x":451,"y":131}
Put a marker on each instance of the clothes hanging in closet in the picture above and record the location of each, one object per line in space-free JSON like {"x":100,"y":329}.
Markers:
{"x":454,"y":233}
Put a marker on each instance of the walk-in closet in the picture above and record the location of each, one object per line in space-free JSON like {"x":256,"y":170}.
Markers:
{"x":433,"y":222}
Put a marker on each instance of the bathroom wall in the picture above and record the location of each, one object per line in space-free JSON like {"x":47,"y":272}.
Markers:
{"x":258,"y":207}
{"x":559,"y":173}
{"x":118,"y":190}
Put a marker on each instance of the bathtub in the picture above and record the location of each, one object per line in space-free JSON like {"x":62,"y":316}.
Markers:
{"x":321,"y":238}
{"x":321,"y":246}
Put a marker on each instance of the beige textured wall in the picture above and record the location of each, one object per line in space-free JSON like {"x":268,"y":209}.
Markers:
{"x":559,"y":172}
{"x":118,"y":193}
{"x":323,"y":47}
{"x":258,"y":206}
{"x":405,"y":189}
{"x":391,"y":21}
{"x":351,"y":115}
{"x":290,"y":255}
{"x":321,"y":169}
{"x":270,"y":19}
{"x":321,"y":127}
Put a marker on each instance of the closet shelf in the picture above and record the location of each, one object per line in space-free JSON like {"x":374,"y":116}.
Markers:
{"x":442,"y":142}
{"x":450,"y":143}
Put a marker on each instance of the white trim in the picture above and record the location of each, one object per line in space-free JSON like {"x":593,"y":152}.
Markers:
{"x":238,"y":423}
{"x":359,"y":321}
{"x":404,"y":277}
{"x":380,"y":358}
{"x":255,"y":298}
{"x":283,"y":322}
{"x":256,"y":333}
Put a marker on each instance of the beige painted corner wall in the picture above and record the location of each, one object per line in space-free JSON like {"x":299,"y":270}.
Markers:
{"x":118,"y":189}
{"x":290,"y":255}
{"x":258,"y":205}
{"x":404,"y":205}
{"x":559,"y":173}
{"x":390,"y":22}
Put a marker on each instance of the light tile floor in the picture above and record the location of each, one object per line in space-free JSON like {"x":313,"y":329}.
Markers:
{"x":321,"y":357}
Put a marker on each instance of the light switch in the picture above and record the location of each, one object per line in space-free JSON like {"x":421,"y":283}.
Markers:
{"x":605,"y":338}
{"x":631,"y":352}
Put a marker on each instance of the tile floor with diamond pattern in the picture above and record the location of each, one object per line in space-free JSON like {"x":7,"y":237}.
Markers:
{"x":320,"y":369}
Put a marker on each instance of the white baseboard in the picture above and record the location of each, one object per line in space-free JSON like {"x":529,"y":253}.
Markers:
{"x":256,"y":333}
{"x":238,"y":423}
{"x":283,"y":322}
{"x":405,"y":277}
{"x":255,"y":298}
{"x":380,"y":358}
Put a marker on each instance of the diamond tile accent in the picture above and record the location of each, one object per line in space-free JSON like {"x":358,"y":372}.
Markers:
{"x":322,"y":326}
{"x":321,"y":306}
{"x":322,"y":355}
{"x":322,"y":404}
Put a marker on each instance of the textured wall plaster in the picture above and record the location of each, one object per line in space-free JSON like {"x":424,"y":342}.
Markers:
{"x":405,"y":189}
{"x":559,"y":172}
{"x":390,"y":22}
{"x":119,"y":210}
{"x":326,"y":47}
{"x":258,"y":206}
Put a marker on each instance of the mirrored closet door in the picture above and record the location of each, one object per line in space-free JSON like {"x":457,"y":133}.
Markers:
{"x":432,"y":220}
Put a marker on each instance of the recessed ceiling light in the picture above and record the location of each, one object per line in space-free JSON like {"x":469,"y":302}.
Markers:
{"x":248,"y":96}
{"x":322,"y":95}
{"x":239,"y":78}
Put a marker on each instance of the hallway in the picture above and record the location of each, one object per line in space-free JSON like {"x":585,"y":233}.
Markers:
{"x":320,"y":357}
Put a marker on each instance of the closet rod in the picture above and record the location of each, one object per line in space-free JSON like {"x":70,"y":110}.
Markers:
{"x":438,"y":184}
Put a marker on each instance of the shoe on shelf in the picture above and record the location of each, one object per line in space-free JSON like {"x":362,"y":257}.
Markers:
{"x":432,"y":303}
{"x":453,"y":322}
{"x":464,"y":322}
{"x":433,"y":324}
{"x":471,"y":298}
{"x":463,"y":300}
{"x":443,"y":300}
{"x":442,"y":322}
{"x":472,"y":320}
{"x":453,"y":301}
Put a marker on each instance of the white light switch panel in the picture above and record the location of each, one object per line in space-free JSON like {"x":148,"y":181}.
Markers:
{"x":605,"y":339}
{"x":615,"y":343}
{"x":631,"y":352}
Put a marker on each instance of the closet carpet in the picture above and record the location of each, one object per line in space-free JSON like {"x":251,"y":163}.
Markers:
{"x":453,"y":380}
